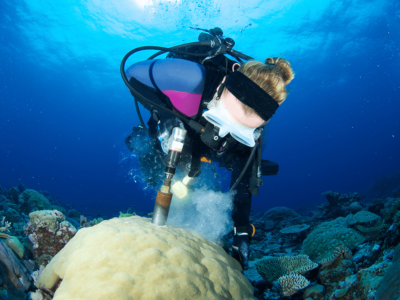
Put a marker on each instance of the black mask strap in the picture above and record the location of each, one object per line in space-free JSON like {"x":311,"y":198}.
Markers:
{"x":249,"y":93}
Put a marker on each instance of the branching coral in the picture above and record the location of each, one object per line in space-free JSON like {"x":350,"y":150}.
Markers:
{"x":5,"y":225}
{"x":273,"y":268}
{"x":291,"y":284}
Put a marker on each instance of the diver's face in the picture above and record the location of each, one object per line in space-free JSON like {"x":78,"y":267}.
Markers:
{"x":235,"y":109}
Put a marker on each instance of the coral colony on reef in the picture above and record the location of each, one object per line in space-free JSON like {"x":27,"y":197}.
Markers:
{"x":347,"y":248}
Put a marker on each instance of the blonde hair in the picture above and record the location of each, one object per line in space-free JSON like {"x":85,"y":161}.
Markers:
{"x":272,"y":77}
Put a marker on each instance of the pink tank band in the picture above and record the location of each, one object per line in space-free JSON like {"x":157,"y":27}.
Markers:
{"x":187,"y":103}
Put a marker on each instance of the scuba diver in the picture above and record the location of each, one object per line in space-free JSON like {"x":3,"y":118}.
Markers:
{"x":223,"y":104}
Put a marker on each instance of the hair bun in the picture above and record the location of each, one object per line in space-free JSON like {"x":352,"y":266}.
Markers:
{"x":270,"y":61}
{"x":283,"y":68}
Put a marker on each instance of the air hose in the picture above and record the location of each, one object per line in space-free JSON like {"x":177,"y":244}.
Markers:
{"x":253,"y":151}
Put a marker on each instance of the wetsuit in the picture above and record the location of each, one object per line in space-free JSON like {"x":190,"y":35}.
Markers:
{"x":187,"y":84}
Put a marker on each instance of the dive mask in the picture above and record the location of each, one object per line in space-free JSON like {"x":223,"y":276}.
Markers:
{"x":219,"y":116}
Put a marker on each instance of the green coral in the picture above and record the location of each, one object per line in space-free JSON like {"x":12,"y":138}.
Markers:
{"x":127,"y":214}
{"x":60,"y":209}
{"x":273,"y":268}
{"x":32,"y":200}
{"x":392,"y":211}
{"x":365,"y":217}
{"x":95,"y":222}
{"x":374,"y":230}
{"x":340,"y":252}
{"x":325,"y":238}
{"x":14,"y":243}
{"x":397,"y":217}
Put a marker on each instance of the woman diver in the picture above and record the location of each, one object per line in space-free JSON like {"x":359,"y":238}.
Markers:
{"x":233,"y":102}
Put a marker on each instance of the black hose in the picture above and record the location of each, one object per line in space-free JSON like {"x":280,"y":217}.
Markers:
{"x":235,"y":54}
{"x":139,"y":114}
{"x":253,"y":151}
{"x":239,"y":54}
{"x":206,"y":43}
{"x":259,"y":158}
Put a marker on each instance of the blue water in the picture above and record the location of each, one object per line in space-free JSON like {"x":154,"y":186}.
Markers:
{"x":64,"y":110}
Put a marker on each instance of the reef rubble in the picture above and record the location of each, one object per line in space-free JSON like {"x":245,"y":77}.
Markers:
{"x":346,"y":248}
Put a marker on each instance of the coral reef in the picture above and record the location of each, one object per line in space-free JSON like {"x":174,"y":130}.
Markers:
{"x":14,"y":243}
{"x":130,"y":257}
{"x":273,"y":268}
{"x":365,"y":217}
{"x":280,"y":217}
{"x":368,"y":281}
{"x":315,"y":292}
{"x":340,"y":252}
{"x":5,"y":225}
{"x":389,"y":288}
{"x":323,"y":240}
{"x":392,"y":211}
{"x":4,"y":236}
{"x":32,"y":200}
{"x":48,"y":232}
{"x":294,"y":229}
{"x":291,"y":284}
{"x":352,"y":240}
{"x":14,"y":273}
{"x":339,"y":205}
{"x":84,"y":223}
{"x":333,"y":275}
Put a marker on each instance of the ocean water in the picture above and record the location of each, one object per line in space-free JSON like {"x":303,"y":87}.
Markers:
{"x":65,"y":111}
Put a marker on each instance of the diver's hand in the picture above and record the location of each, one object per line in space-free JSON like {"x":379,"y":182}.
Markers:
{"x":241,"y":249}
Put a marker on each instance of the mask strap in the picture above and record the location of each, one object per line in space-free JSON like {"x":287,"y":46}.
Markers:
{"x":220,"y":90}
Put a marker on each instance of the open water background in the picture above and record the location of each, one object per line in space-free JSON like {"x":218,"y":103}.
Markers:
{"x":64,"y":110}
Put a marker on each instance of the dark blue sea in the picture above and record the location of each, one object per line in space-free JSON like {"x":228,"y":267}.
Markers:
{"x":65,"y":111}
